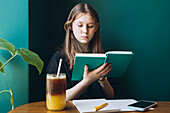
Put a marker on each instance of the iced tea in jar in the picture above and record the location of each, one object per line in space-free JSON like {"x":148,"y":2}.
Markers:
{"x":56,"y":91}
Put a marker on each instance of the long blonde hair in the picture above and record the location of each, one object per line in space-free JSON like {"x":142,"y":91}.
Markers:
{"x":71,"y":44}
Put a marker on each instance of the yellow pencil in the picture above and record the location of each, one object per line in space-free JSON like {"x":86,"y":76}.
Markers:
{"x":100,"y":107}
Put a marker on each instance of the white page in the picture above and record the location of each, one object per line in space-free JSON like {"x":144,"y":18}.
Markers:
{"x":90,"y":54}
{"x":122,"y":103}
{"x":119,"y":52}
{"x":87,"y":105}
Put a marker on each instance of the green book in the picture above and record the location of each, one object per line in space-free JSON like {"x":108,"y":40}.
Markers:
{"x":120,"y":61}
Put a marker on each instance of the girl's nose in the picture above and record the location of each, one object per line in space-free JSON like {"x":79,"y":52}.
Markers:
{"x":84,"y":29}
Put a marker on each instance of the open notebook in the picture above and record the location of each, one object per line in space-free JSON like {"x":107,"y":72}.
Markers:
{"x":87,"y":105}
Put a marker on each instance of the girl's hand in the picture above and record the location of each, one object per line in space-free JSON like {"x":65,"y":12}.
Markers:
{"x":91,"y":76}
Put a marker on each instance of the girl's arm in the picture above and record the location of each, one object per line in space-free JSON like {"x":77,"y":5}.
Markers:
{"x":107,"y":88}
{"x":76,"y":91}
{"x":88,"y":78}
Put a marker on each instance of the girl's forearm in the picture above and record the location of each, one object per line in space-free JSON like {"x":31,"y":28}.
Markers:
{"x":76,"y":91}
{"x":108,"y":90}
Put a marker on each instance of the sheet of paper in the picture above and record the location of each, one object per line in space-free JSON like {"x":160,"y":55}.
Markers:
{"x":122,"y":104}
{"x":87,"y":105}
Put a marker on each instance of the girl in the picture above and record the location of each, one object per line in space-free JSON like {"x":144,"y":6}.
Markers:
{"x":82,"y":36}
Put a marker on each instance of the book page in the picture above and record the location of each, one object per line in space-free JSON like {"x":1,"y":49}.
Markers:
{"x":119,"y":52}
{"x":123,"y":104}
{"x":87,"y":105}
{"x":90,"y":55}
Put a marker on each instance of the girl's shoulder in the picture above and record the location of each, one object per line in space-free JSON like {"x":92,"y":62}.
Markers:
{"x":58,"y":54}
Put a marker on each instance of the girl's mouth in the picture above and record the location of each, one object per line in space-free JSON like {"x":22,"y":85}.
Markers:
{"x":84,"y":37}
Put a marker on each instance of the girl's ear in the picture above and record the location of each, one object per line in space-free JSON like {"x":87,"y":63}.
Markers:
{"x":97,"y":25}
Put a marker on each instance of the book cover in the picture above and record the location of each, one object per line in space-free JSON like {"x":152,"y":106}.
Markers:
{"x":119,"y":59}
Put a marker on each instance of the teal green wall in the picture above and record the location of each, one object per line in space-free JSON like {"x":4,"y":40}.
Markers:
{"x":14,"y":28}
{"x":142,"y":26}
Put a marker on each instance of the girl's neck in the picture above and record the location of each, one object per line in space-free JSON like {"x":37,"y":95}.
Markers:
{"x":85,"y":47}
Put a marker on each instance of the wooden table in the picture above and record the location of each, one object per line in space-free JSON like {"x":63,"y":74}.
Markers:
{"x":40,"y":107}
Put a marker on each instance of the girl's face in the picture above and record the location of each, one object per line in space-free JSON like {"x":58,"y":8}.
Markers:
{"x":84,"y":27}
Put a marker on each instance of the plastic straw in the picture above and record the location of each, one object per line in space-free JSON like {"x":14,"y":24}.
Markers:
{"x":59,"y":67}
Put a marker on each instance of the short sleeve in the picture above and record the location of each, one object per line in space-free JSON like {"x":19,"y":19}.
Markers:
{"x":52,"y":68}
{"x":53,"y":64}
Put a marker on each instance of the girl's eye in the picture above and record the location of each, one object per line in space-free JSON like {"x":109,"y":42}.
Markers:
{"x":79,"y":25}
{"x":90,"y":26}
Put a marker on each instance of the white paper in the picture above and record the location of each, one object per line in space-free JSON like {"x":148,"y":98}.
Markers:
{"x":87,"y":105}
{"x":122,"y":104}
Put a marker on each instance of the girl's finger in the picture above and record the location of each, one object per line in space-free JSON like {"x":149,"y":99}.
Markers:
{"x":105,"y":69}
{"x":104,"y":73}
{"x":100,"y":68}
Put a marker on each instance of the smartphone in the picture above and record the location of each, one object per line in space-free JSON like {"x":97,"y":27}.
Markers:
{"x":142,"y":105}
